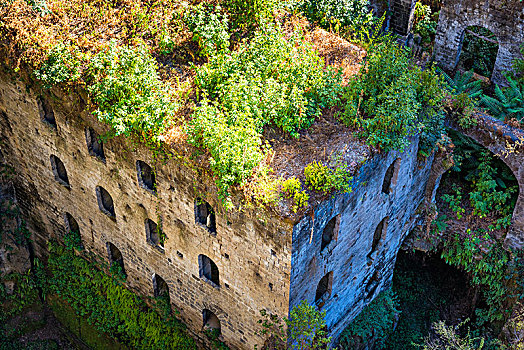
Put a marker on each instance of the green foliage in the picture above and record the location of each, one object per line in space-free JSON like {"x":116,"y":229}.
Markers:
{"x":463,"y":83}
{"x":270,"y":80}
{"x":478,"y":54}
{"x":508,"y":102}
{"x":424,"y":23}
{"x":305,"y":328}
{"x":376,"y":321}
{"x":389,"y":101}
{"x":247,"y":15}
{"x":209,"y":27}
{"x":455,"y":202}
{"x":292,"y":188}
{"x":324,"y":179}
{"x":487,"y":267}
{"x":352,"y":16}
{"x":73,"y":240}
{"x":129,"y":95}
{"x":62,"y":65}
{"x":448,"y":337}
{"x":105,"y":303}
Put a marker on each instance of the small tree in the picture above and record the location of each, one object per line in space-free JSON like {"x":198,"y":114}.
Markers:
{"x":304,"y":330}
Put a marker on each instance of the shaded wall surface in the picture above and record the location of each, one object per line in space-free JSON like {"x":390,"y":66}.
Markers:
{"x":361,"y":260}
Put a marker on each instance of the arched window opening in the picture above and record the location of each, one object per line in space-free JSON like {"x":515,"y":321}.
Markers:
{"x":116,"y":259}
{"x":390,"y":178}
{"x":94,"y":144}
{"x":330,"y":232}
{"x":46,"y":112}
{"x":324,"y":289}
{"x":211,"y":322}
{"x":160,"y":288}
{"x":478,"y":51}
{"x":208,"y":270}
{"x":379,"y":236}
{"x":72,"y":237}
{"x":59,"y":171}
{"x":154,"y":233}
{"x":205,"y":215}
{"x":372,"y":286}
{"x":105,"y":202}
{"x":146,"y":176}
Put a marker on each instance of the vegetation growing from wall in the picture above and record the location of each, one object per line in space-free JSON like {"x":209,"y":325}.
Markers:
{"x":105,"y":303}
{"x":305,"y":329}
{"x":374,"y":324}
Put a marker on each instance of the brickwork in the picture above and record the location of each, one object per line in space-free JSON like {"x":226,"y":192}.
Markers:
{"x":505,"y":18}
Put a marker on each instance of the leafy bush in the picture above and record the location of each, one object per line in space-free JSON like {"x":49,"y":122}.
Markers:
{"x":324,"y":179}
{"x":61,"y":66}
{"x":105,"y":303}
{"x":129,"y":95}
{"x":375,"y":322}
{"x":351,"y":15}
{"x":306,"y":328}
{"x":292,"y":188}
{"x":249,"y":14}
{"x":209,"y":27}
{"x":389,"y":101}
{"x":423,"y":23}
{"x":448,"y":337}
{"x":270,"y":80}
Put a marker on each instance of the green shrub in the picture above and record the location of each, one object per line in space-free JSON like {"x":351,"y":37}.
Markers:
{"x":124,"y":84}
{"x":61,"y":66}
{"x":324,"y":179}
{"x":390,"y":100}
{"x":247,"y":15}
{"x":209,"y":27}
{"x":353,"y":16}
{"x":508,"y":102}
{"x":270,"y":80}
{"x":292,"y":188}
{"x":449,"y":338}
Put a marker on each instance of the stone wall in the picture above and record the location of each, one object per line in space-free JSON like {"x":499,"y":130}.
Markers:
{"x":252,"y":253}
{"x":402,"y":15}
{"x":505,"y":18}
{"x":361,"y":261}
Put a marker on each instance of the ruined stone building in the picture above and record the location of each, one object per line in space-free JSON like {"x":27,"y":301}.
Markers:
{"x":221,"y":268}
{"x":503,"y":18}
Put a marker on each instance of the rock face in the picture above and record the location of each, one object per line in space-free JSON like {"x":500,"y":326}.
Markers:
{"x":503,"y":18}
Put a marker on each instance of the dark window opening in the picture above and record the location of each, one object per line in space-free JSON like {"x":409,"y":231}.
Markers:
{"x":478,"y":51}
{"x":94,"y":144}
{"x":146,"y":176}
{"x":46,"y":112}
{"x":154,"y":233}
{"x":59,"y":171}
{"x":160,"y":287}
{"x":390,"y":178}
{"x":205,"y":215}
{"x":116,"y":259}
{"x":105,"y":202}
{"x":378,"y":236}
{"x":208,"y":270}
{"x":330,"y":232}
{"x":211,"y":321}
{"x":72,"y":236}
{"x":324,"y":289}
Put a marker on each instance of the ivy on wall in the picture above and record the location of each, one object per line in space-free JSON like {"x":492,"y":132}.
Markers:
{"x":104,"y":302}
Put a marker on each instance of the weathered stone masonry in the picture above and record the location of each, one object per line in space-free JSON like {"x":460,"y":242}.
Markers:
{"x":259,"y":262}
